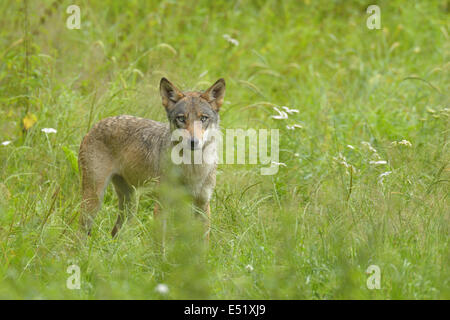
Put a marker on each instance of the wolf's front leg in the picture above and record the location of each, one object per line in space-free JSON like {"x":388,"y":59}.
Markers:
{"x":206,"y":209}
{"x":208,"y":222}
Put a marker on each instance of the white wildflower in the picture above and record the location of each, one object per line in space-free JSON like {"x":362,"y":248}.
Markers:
{"x":281,"y":114}
{"x":369,"y":146}
{"x":402,"y":142}
{"x":279,"y":163}
{"x":378,"y":162}
{"x":381,"y":176}
{"x":249,"y":268}
{"x":350,"y":147}
{"x":162,"y":288}
{"x":231,"y":40}
{"x":5,"y":143}
{"x":290,"y":111}
{"x":343,"y":161}
{"x":294,"y":126}
{"x":49,"y":130}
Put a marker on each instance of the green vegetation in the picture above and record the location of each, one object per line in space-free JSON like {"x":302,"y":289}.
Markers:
{"x":308,"y":232}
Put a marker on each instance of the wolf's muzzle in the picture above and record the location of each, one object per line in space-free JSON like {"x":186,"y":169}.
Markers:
{"x":194,"y":143}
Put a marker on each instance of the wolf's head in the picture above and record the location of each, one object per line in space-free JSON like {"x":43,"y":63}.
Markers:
{"x":195,"y":112}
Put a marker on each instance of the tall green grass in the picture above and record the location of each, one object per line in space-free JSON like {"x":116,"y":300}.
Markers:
{"x":308,"y":232}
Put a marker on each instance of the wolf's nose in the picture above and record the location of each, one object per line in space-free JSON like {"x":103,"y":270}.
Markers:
{"x":194,"y":143}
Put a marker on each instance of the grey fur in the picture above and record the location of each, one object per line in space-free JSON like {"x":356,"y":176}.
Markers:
{"x":129,"y":151}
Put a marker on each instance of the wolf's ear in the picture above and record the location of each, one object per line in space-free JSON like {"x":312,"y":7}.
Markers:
{"x":169,"y":93}
{"x":214,"y":95}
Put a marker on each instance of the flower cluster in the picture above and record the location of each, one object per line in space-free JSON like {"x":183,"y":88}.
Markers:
{"x":340,"y":159}
{"x":49,"y":130}
{"x":231,"y":40}
{"x":403,"y":142}
{"x":284,"y":114}
{"x":5,"y":143}
{"x":162,"y":288}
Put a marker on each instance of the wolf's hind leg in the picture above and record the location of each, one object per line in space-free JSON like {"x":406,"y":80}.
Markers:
{"x":124,"y":193}
{"x":93,"y":189}
{"x":96,"y":167}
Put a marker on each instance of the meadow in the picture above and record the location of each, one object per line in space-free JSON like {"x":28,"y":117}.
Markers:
{"x":364,"y":173}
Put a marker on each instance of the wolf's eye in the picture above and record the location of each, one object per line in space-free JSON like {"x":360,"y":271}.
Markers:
{"x":181,"y":119}
{"x":204,"y":118}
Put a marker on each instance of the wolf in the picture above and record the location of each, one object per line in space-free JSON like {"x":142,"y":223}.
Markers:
{"x":129,"y":151}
